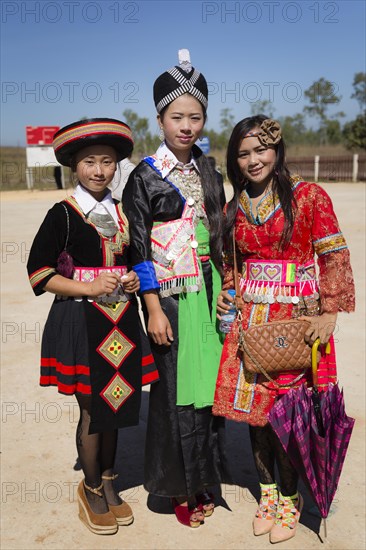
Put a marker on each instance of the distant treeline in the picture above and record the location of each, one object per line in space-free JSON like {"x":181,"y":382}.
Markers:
{"x":319,"y":96}
{"x":331,"y":139}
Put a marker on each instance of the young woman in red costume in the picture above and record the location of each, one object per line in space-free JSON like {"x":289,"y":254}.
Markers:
{"x":281,"y":224}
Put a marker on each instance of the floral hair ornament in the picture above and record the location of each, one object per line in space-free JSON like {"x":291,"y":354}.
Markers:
{"x":269,"y":132}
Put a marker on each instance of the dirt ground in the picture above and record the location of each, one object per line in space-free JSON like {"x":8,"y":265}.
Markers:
{"x":39,"y":472}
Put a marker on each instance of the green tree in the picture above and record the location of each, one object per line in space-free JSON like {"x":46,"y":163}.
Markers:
{"x":216,"y":140}
{"x":226,"y":123}
{"x":293,"y":129}
{"x":334,"y":132}
{"x":152,"y":142}
{"x":140,"y":131}
{"x":262,"y":107}
{"x":359,"y":94}
{"x":321,"y":94}
{"x":354,"y":133}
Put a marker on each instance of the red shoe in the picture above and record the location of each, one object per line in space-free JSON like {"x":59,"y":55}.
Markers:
{"x":185,"y":514}
{"x":206,"y":500}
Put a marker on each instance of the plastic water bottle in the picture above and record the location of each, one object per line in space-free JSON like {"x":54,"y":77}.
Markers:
{"x":228,"y":318}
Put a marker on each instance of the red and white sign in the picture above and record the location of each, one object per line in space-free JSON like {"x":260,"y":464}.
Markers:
{"x":40,"y":135}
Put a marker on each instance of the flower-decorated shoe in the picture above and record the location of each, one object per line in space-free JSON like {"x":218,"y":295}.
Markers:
{"x":266,"y":512}
{"x":187,"y":515}
{"x":287,"y":518}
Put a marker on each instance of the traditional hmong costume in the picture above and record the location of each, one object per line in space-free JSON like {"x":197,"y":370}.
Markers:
{"x":164,"y":203}
{"x":282,"y":284}
{"x":170,"y":251}
{"x":91,"y":346}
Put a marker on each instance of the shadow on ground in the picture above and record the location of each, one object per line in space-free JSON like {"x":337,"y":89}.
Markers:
{"x":244,"y":481}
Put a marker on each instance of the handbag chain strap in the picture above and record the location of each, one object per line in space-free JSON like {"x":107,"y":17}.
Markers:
{"x":242,"y":343}
{"x":238,"y":297}
{"x":68,"y":225}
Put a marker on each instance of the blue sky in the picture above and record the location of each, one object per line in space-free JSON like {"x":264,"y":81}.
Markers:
{"x":62,"y":60}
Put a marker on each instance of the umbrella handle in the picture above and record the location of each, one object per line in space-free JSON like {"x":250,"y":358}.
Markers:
{"x":314,"y":359}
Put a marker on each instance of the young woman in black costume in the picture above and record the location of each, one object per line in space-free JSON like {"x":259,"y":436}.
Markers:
{"x":174,"y":203}
{"x":93,"y":344}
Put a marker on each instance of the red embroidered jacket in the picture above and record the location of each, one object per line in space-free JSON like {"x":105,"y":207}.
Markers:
{"x":316,"y":233}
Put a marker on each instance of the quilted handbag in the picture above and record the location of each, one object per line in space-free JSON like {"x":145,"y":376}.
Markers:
{"x":272,"y":347}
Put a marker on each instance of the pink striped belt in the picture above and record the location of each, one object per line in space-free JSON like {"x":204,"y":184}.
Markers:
{"x":88,"y":274}
{"x":269,"y":281}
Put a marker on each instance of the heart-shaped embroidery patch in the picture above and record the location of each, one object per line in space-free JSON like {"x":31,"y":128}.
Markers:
{"x":255,"y":270}
{"x":272,"y":272}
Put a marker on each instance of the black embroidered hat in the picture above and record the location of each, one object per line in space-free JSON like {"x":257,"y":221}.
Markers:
{"x":94,"y":131}
{"x":179,"y":80}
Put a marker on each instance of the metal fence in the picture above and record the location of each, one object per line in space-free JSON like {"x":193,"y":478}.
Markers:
{"x":329,"y":168}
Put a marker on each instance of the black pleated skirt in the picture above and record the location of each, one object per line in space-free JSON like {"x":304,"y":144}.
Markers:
{"x":101,"y":351}
{"x":184,"y":446}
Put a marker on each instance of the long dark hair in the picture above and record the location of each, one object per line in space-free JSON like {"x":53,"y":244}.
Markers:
{"x":213,"y":195}
{"x":281,"y":184}
{"x":213,"y":198}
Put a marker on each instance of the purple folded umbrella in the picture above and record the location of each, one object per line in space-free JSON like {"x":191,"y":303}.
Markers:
{"x":318,"y":457}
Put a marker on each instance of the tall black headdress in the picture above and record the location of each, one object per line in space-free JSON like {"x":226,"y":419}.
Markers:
{"x":179,"y":80}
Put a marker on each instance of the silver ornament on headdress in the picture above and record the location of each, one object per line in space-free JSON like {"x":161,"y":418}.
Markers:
{"x":184,"y":59}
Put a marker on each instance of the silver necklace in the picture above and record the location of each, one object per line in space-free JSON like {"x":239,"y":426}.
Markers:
{"x":104,"y":223}
{"x":188,"y":181}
